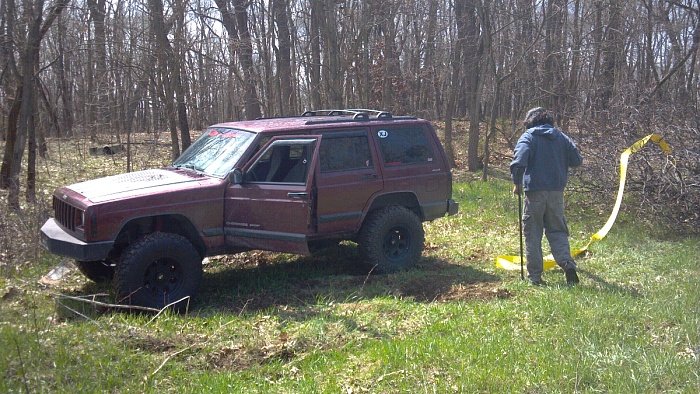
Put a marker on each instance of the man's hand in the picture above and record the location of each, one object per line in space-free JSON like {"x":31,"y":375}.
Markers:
{"x":516,"y":189}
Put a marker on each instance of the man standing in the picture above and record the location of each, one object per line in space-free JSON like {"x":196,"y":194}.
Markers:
{"x":540,"y":166}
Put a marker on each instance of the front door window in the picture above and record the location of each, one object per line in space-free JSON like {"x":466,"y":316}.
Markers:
{"x":271,"y":209}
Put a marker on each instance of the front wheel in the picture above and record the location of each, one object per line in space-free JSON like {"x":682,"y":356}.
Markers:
{"x":391,"y":239}
{"x":157,"y":270}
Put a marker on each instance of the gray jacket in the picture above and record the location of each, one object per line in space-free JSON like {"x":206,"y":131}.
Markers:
{"x":542,"y":158}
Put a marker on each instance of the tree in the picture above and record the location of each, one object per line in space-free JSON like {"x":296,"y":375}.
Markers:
{"x":611,"y":48}
{"x":284,"y":57}
{"x":20,"y":127}
{"x":172,"y":88}
{"x":235,"y":21}
{"x":468,"y":20}
{"x":98,"y":107}
{"x":153,"y":65}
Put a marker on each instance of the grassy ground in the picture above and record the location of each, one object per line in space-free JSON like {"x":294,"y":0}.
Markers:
{"x":270,"y":322}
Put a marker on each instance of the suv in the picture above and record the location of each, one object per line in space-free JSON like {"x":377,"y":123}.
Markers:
{"x":277,"y":184}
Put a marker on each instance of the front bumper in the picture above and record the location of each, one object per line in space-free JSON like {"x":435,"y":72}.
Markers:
{"x":57,"y":241}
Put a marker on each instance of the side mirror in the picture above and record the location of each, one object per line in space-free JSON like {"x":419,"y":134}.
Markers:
{"x":236,"y":176}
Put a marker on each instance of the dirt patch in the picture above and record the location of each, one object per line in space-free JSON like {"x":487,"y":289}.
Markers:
{"x":443,"y":288}
{"x":476,"y":291}
{"x":238,"y":357}
{"x":149,"y":343}
{"x":230,"y":358}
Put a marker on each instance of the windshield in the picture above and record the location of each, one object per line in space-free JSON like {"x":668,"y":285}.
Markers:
{"x":216,"y":151}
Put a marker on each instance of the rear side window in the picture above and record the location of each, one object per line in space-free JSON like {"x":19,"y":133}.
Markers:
{"x":345,"y":152}
{"x":404,"y":145}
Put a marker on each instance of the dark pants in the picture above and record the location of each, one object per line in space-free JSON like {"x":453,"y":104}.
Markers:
{"x":544,"y":211}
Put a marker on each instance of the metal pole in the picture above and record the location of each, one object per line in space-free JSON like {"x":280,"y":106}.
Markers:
{"x":520,"y":222}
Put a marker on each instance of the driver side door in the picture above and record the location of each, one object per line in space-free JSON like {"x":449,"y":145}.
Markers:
{"x":270,"y":209}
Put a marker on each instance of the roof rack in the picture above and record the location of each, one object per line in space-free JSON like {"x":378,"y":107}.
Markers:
{"x":357,"y":113}
{"x":378,"y":114}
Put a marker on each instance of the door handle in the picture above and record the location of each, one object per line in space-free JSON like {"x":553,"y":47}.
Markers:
{"x":369,"y":176}
{"x":298,"y":195}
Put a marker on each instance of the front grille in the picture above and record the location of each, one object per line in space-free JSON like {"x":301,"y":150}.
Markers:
{"x":64,"y":213}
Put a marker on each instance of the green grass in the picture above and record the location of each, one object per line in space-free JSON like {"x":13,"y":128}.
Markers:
{"x":280,"y":323}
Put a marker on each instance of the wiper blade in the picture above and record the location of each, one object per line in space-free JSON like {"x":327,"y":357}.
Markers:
{"x":189,"y":166}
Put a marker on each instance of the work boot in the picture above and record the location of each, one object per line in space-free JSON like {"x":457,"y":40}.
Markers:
{"x":538,"y":282}
{"x":571,"y":277}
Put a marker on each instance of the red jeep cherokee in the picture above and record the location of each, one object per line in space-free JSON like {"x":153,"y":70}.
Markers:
{"x":277,"y":184}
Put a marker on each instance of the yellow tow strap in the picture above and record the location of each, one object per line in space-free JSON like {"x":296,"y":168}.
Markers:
{"x":513,"y":262}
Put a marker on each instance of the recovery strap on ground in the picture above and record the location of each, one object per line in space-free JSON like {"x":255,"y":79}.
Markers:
{"x":513,"y":262}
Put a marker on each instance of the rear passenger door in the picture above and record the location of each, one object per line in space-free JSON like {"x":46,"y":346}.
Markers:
{"x":347,"y":177}
{"x":412,"y":162}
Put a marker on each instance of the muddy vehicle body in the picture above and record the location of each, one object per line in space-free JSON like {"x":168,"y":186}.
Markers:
{"x":276,"y":184}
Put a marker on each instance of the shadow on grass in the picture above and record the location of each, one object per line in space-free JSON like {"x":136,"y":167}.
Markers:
{"x":258,"y":281}
{"x":336,"y":275}
{"x":611,"y":287}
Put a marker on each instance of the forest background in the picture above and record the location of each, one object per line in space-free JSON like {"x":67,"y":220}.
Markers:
{"x":611,"y":70}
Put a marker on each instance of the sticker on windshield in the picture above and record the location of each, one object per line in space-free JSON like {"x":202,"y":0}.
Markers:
{"x":227,"y":133}
{"x":382,"y":133}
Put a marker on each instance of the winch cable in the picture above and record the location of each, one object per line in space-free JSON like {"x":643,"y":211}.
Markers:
{"x":512,"y":263}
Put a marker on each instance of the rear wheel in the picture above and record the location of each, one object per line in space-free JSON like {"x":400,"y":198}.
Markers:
{"x":392,"y":239}
{"x":159,"y":269}
{"x":96,"y":271}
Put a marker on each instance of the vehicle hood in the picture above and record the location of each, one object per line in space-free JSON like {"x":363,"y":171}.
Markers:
{"x":132,"y":184}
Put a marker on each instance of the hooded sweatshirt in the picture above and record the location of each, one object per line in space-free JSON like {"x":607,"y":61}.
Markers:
{"x":542,"y":158}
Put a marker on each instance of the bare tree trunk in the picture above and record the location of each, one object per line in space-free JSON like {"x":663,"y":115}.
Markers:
{"x":229,"y":22}
{"x":51,"y":113}
{"x":63,"y":71}
{"x":332,"y":75}
{"x":89,"y":104}
{"x":8,"y":68}
{"x":429,"y":93}
{"x":573,"y":78}
{"x":391,"y":75}
{"x":29,"y":62}
{"x":178,"y":74}
{"x":245,"y":54}
{"x":611,"y":49}
{"x":691,"y":52}
{"x":315,"y":66}
{"x":30,"y":195}
{"x":235,"y":21}
{"x":467,"y":21}
{"x":164,"y":53}
{"x":495,"y":103}
{"x":131,"y":110}
{"x":456,"y":60}
{"x":284,"y":58}
{"x":29,"y":55}
{"x":10,"y":140}
{"x":491,"y":130}
{"x":98,"y":11}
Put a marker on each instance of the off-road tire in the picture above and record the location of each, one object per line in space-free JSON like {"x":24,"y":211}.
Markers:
{"x":96,"y":271}
{"x":157,"y":270}
{"x":391,"y":239}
